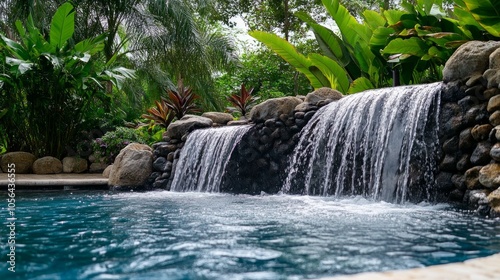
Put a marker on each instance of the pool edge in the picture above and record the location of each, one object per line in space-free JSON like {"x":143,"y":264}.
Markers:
{"x":480,"y":268}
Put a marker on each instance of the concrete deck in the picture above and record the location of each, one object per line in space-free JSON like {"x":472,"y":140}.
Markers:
{"x":487,"y":268}
{"x":63,"y":179}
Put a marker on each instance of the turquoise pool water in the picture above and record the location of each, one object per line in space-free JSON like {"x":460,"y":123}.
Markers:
{"x":166,"y":235}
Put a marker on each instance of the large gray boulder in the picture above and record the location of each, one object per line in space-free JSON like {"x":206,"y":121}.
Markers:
{"x":274,"y":108}
{"x":323,"y":95}
{"x":47,"y":165}
{"x":470,"y":59}
{"x":492,"y":75}
{"x":23,"y":162}
{"x":74,"y":165}
{"x":132,"y":167}
{"x":218,"y":117}
{"x":185,"y":125}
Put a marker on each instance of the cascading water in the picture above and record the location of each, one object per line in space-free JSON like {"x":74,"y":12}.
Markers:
{"x":380,"y":144}
{"x":204,"y":158}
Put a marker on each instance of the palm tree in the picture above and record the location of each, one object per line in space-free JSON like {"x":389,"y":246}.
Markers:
{"x":162,"y":40}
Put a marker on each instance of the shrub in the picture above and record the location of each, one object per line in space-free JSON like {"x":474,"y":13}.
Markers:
{"x":111,"y":143}
{"x":242,"y":102}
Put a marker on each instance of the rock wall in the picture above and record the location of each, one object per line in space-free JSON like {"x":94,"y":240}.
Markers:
{"x":469,"y":169}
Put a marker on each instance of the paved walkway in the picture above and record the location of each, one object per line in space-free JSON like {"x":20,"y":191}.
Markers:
{"x":63,"y":179}
{"x":476,"y":269}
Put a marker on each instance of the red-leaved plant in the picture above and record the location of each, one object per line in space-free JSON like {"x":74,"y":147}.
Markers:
{"x":181,"y":101}
{"x":161,"y":115}
{"x":242,"y":102}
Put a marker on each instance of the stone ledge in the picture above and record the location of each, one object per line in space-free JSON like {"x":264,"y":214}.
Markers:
{"x":481,"y":268}
{"x":33,"y":180}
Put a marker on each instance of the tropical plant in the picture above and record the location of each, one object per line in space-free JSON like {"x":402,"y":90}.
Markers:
{"x":106,"y":148}
{"x":159,"y":39}
{"x":267,"y":73}
{"x":418,"y":39}
{"x":52,"y":82}
{"x":479,"y":15}
{"x":348,"y":66}
{"x":161,"y":115}
{"x":182,"y":100}
{"x":242,"y":102}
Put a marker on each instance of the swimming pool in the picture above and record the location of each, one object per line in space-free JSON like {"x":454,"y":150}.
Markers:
{"x":168,"y":235}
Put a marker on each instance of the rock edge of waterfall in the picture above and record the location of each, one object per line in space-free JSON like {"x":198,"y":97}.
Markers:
{"x":468,"y":161}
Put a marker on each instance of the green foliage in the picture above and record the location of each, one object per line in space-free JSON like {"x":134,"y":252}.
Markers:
{"x":106,"y":148}
{"x":243,"y":102}
{"x":151,"y":134}
{"x":267,"y":73}
{"x":482,"y":14}
{"x":49,"y":84}
{"x":181,"y":101}
{"x":415,"y":42}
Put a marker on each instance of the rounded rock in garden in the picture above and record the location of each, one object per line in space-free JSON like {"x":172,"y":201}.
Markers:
{"x":185,"y":125}
{"x":47,"y":165}
{"x":98,"y":167}
{"x":492,"y":75}
{"x":132,"y":167}
{"x":274,"y":108}
{"x":218,"y":117}
{"x":23,"y":162}
{"x":323,"y":94}
{"x":107,"y":171}
{"x":472,"y":58}
{"x":74,"y":165}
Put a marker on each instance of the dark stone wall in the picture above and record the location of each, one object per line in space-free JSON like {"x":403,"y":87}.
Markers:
{"x":468,"y":125}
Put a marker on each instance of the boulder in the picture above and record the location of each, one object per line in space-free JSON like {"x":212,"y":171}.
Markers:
{"x":323,"y":94}
{"x":238,"y":122}
{"x":489,"y":176}
{"x":47,"y":165}
{"x":97,"y":167}
{"x":472,"y":58}
{"x":74,"y":165}
{"x":492,"y":75}
{"x":23,"y":161}
{"x":274,"y":108}
{"x":132,"y":167}
{"x":305,"y":107}
{"x":185,"y":125}
{"x":107,"y":171}
{"x":218,"y":117}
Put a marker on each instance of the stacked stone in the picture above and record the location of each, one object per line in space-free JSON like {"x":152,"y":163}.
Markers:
{"x":166,"y":153}
{"x":470,"y":119}
{"x":260,"y":161}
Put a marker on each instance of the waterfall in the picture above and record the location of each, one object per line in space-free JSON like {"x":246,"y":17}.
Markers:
{"x":204,"y":157}
{"x":381,"y":144}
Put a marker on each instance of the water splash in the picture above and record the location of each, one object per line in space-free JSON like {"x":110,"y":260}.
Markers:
{"x":204,"y":157}
{"x":380,"y":144}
